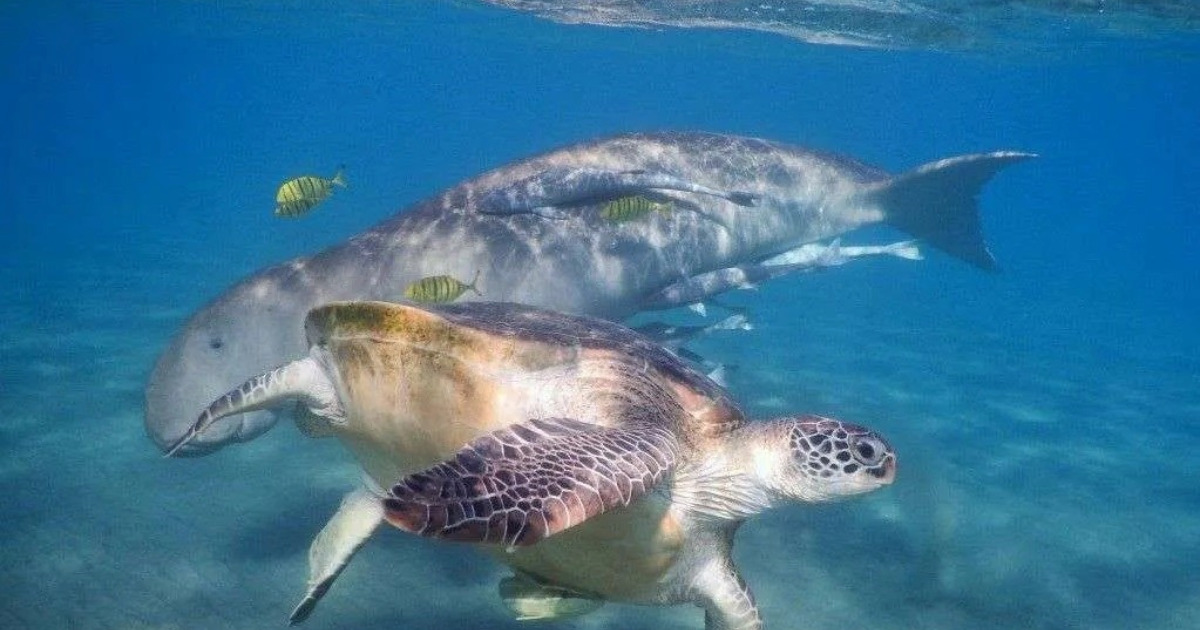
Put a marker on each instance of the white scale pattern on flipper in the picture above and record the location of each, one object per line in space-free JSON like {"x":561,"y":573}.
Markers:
{"x":356,"y":519}
{"x":727,"y":601}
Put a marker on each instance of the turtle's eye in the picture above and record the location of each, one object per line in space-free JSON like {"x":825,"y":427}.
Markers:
{"x":215,"y":343}
{"x":868,"y":450}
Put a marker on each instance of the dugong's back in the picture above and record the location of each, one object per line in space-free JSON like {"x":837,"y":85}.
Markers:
{"x":587,"y":264}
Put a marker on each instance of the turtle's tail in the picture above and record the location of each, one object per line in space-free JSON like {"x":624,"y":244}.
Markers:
{"x":304,"y":380}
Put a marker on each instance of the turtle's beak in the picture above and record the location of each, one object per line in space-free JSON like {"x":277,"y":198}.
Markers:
{"x":885,"y":473}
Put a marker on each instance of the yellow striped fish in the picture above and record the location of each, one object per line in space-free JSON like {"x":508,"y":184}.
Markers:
{"x":632,"y":208}
{"x":299,"y":195}
{"x":439,"y":289}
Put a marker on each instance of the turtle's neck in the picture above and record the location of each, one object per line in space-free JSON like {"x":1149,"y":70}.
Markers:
{"x":732,"y":482}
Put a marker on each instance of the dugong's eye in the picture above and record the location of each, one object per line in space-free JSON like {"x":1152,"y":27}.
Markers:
{"x":215,"y":344}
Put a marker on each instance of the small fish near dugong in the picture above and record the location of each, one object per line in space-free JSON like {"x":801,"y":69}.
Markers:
{"x":298,"y":195}
{"x":580,"y":263}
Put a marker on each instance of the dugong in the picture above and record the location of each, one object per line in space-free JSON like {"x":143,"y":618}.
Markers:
{"x":579,"y":264}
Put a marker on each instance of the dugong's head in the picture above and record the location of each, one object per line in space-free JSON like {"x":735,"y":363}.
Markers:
{"x":253,"y":327}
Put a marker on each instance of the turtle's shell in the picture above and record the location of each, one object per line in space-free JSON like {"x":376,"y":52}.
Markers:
{"x":517,"y":321}
{"x":417,"y":384}
{"x":467,"y":324}
{"x":450,"y":367}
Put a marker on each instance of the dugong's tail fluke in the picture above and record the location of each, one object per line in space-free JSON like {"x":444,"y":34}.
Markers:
{"x":937,"y":203}
{"x":302,"y":380}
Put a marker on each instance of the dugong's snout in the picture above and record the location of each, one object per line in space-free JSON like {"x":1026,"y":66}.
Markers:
{"x":229,"y":341}
{"x":304,"y":381}
{"x":174,"y":400}
{"x":166,"y":433}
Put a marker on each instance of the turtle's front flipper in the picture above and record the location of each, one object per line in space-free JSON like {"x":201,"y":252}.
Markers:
{"x":530,"y":599}
{"x":305,"y":380}
{"x":519,"y":485}
{"x":727,"y":601}
{"x":354,"y":522}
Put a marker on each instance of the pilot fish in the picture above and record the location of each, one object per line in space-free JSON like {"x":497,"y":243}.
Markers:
{"x":439,"y":289}
{"x":631,"y":208}
{"x":299,"y":195}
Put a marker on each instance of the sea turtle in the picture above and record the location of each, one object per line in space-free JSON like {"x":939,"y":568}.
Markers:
{"x":596,"y":464}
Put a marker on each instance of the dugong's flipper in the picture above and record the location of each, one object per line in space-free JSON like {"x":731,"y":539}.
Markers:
{"x":353,"y":523}
{"x":582,"y":185}
{"x":645,"y":181}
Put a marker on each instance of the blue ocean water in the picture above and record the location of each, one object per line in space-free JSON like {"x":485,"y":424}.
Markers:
{"x":1044,"y":415}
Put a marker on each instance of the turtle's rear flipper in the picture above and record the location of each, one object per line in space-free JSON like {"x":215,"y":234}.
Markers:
{"x":530,"y":599}
{"x":354,"y":522}
{"x":519,"y":485}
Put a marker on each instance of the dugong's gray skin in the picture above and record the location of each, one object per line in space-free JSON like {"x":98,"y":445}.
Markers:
{"x":581,"y":264}
{"x":574,"y":185}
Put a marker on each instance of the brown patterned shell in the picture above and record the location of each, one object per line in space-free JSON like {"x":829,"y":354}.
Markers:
{"x":499,"y":327}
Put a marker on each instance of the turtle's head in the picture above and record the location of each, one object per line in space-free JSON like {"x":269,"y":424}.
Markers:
{"x":813,"y":459}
